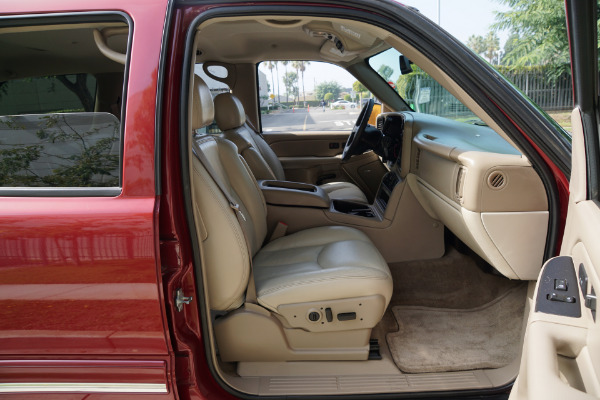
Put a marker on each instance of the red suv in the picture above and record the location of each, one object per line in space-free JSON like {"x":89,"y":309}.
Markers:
{"x":157,"y":242}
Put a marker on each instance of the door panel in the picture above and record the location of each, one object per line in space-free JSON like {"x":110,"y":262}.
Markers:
{"x":315,"y":144}
{"x":315,"y":157}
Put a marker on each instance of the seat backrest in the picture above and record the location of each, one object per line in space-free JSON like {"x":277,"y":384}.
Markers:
{"x":224,"y":251}
{"x":231,"y":118}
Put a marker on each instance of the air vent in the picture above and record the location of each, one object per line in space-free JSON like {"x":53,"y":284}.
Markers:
{"x":460,"y":184}
{"x":417,"y":159}
{"x":497,"y":180}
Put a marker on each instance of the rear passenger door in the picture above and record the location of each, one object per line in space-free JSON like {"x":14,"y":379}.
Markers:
{"x":561,"y":356}
{"x":81,"y":308}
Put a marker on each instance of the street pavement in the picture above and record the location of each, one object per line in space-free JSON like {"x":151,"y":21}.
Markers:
{"x":314,"y":120}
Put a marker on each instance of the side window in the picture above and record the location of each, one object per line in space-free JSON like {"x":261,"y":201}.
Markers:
{"x":60,"y":105}
{"x":216,"y":87}
{"x":313,"y":96}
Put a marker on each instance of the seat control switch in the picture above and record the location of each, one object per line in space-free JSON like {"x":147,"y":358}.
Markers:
{"x":347,"y":316}
{"x":328,"y":314}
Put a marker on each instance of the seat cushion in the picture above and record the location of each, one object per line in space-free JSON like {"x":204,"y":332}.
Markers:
{"x":344,"y":191}
{"x":320,"y":264}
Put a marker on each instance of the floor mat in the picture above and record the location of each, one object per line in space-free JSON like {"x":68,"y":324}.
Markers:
{"x":439,"y":340}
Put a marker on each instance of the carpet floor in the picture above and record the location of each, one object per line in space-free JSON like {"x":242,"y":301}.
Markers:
{"x":433,"y":339}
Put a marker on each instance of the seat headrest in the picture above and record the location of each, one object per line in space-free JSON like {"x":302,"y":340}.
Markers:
{"x":203,"y":109}
{"x":229,"y":112}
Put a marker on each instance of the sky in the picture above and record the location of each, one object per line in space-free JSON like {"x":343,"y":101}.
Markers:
{"x":461,"y":18}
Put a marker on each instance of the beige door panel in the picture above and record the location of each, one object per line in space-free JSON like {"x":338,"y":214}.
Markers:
{"x":561,"y":354}
{"x":303,"y":144}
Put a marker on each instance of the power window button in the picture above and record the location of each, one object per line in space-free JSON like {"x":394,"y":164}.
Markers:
{"x":560,"y":284}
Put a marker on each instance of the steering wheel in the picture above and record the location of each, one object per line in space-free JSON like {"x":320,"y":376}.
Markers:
{"x":358,"y":130}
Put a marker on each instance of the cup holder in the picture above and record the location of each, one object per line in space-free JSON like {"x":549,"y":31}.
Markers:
{"x":347,"y":207}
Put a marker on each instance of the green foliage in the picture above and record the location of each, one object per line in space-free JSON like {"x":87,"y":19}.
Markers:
{"x":539,"y":33}
{"x":488,"y":46}
{"x":328,"y":96}
{"x":290,"y":81}
{"x":406,"y":83}
{"x":385,"y":71}
{"x":328,"y":87}
{"x":72,"y":169}
{"x":359,"y":87}
{"x":347,"y":97}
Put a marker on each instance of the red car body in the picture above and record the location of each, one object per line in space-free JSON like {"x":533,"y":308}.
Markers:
{"x":87,"y":285}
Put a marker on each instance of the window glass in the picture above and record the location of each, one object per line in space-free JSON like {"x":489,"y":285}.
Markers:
{"x":60,"y":106}
{"x":313,"y":96}
{"x":216,"y":87}
{"x":422,"y":93}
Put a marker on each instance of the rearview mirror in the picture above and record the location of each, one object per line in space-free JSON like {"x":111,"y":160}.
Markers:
{"x":405,"y":67}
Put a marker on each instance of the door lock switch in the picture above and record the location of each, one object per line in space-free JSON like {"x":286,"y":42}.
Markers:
{"x":560,"y":284}
{"x":561,"y":298}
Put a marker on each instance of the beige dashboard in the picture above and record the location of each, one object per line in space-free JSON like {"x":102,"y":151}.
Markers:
{"x":481,"y":188}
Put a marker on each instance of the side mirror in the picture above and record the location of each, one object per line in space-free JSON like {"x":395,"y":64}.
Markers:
{"x":405,"y":67}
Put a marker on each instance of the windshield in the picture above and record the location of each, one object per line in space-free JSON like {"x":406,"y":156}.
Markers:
{"x":420,"y":91}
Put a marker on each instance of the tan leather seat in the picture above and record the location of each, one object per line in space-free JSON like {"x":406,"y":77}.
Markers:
{"x":319,"y":291}
{"x":231,"y":118}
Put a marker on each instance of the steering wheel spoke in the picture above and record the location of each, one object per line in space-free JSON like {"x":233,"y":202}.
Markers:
{"x":358,"y":130}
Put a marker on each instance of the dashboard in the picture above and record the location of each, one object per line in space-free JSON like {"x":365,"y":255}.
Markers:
{"x":476,"y":183}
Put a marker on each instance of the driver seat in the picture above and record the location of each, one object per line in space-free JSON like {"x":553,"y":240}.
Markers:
{"x":262,"y":160}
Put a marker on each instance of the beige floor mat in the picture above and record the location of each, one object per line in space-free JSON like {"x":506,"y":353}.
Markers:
{"x":438,"y":340}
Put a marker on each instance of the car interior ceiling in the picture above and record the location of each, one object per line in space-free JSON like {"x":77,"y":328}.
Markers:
{"x":428,"y":334}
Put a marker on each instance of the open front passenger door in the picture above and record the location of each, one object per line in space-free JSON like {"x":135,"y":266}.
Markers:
{"x":561,"y":356}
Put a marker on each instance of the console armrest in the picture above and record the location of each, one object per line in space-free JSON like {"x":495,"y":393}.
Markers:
{"x":285,"y":193}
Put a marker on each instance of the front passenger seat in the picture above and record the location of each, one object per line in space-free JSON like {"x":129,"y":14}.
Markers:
{"x":319,"y":291}
{"x":231,"y":118}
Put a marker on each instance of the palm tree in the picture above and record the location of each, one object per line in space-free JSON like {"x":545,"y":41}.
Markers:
{"x":277,"y":71}
{"x":296,"y":66}
{"x":270,"y":66}
{"x":285,"y":63}
{"x":303,"y":65}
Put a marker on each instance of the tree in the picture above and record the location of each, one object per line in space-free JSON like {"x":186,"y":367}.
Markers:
{"x":302,"y":68}
{"x":328,"y":87}
{"x":328,"y":96}
{"x":541,"y":28}
{"x":296,"y":66}
{"x":290,"y":81}
{"x":385,"y":71}
{"x":287,"y":93}
{"x":509,"y":46}
{"x":359,"y":87}
{"x":277,"y":72}
{"x":492,"y":46}
{"x":347,"y":97}
{"x":476,"y":43}
{"x":270,"y":67}
{"x":488,"y":46}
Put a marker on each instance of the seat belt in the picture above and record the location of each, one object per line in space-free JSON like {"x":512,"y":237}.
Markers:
{"x":253,"y":128}
{"x":251,"y":289}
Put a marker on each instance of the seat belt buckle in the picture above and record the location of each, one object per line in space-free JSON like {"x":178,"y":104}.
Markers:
{"x":279,"y":231}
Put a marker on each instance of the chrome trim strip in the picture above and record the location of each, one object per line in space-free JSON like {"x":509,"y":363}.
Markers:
{"x":37,"y":387}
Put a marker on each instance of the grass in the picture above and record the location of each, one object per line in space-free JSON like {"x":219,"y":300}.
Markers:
{"x":563,"y":118}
